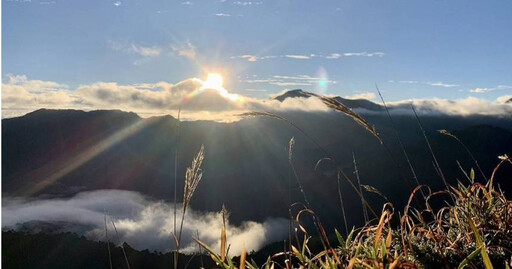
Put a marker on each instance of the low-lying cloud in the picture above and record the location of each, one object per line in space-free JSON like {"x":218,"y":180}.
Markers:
{"x":141,"y":222}
{"x":21,"y":95}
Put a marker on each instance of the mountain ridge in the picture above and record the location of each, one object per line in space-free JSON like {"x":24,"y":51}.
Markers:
{"x":351,"y":103}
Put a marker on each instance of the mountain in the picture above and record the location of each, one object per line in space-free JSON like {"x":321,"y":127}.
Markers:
{"x":351,"y":103}
{"x":297,"y":93}
{"x":58,"y":153}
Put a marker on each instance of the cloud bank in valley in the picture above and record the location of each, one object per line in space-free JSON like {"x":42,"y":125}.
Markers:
{"x":141,"y":222}
{"x":21,"y":95}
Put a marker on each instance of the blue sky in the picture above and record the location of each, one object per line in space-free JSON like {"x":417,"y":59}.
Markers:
{"x":412,"y":49}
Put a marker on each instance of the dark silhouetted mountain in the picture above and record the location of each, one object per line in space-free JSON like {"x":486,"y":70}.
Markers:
{"x":52,"y":153}
{"x":351,"y":103}
{"x":297,"y":93}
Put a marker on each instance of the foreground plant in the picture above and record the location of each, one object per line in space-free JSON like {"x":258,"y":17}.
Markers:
{"x":474,"y":232}
{"x":193,"y":176}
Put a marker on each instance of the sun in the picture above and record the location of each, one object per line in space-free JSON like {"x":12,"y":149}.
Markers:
{"x":214,"y":81}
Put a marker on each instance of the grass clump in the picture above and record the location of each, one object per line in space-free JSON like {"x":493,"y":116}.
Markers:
{"x":474,"y":232}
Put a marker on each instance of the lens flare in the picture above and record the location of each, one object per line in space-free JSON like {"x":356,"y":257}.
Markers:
{"x":213,"y":81}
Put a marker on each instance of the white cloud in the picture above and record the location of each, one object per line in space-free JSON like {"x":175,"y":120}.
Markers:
{"x":187,"y":3}
{"x":285,"y":81}
{"x":135,"y":48}
{"x":481,"y":90}
{"x":21,"y":95}
{"x":300,"y":57}
{"x":247,"y":3}
{"x":222,"y":15}
{"x":290,"y":83}
{"x":408,"y":81}
{"x":364,"y":95}
{"x":141,"y":222}
{"x":441,"y":84}
{"x":486,"y":90}
{"x":463,"y":107}
{"x":331,"y":56}
{"x":433,"y":84}
{"x":249,"y":57}
{"x":365,"y":54}
{"x":146,"y":51}
{"x":186,"y":49}
{"x":505,"y":99}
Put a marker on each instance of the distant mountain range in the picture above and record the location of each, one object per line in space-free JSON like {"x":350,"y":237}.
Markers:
{"x":351,"y":103}
{"x":57,"y":153}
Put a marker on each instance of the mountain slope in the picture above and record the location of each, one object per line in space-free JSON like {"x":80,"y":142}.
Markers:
{"x":59,"y":153}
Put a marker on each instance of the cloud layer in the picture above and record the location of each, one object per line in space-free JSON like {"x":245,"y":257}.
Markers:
{"x":141,"y":222}
{"x":21,"y":95}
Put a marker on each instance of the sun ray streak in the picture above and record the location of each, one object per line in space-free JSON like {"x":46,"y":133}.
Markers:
{"x":83,"y":157}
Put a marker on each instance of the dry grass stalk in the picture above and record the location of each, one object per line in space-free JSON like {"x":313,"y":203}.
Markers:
{"x":445,"y":132}
{"x":436,"y":163}
{"x":193,"y":176}
{"x":415,"y":177}
{"x":336,"y":105}
{"x":119,"y":242}
{"x":108,"y":242}
{"x":223,"y":237}
{"x":329,"y":156}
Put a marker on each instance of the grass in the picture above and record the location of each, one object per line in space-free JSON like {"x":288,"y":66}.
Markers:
{"x":474,"y":232}
{"x":472,"y":229}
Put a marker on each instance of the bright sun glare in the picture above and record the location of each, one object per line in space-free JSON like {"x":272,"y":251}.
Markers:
{"x":214,"y":81}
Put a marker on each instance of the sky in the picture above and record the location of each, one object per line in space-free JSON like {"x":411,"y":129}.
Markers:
{"x":411,"y":49}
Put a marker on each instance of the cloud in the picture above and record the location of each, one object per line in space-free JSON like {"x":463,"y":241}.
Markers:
{"x":364,"y":95}
{"x":285,"y":81}
{"x":506,"y":99}
{"x":433,"y":84}
{"x":486,"y":90}
{"x":441,"y":84}
{"x":249,"y":57}
{"x":364,"y":54}
{"x":256,"y":90}
{"x":146,"y":51}
{"x":187,"y":3}
{"x":135,"y":48}
{"x":247,"y":3}
{"x":21,"y":95}
{"x":331,"y":56}
{"x":461,"y":107}
{"x":481,"y":90}
{"x":141,"y":222}
{"x":300,"y":57}
{"x":186,"y":49}
{"x":222,"y":15}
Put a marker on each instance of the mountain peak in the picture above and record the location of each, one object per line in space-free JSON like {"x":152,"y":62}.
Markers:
{"x":296,"y":93}
{"x":351,"y":103}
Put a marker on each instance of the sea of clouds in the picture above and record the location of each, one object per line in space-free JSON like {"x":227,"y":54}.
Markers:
{"x":21,"y":95}
{"x":140,"y":221}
